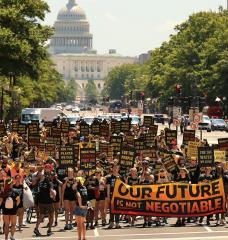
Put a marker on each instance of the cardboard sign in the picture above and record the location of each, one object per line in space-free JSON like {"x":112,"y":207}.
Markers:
{"x":50,"y":149}
{"x":66,"y":156}
{"x":150,"y":152}
{"x":104,"y":129}
{"x":189,"y":135}
{"x":15,"y":125}
{"x":115,"y":126}
{"x":169,"y":199}
{"x":170,"y":136}
{"x":2,"y":129}
{"x":65,"y":126}
{"x":169,"y":163}
{"x":22,"y":129}
{"x":139,"y":146}
{"x":88,"y":159}
{"x":127,"y":157}
{"x":125,"y":125}
{"x":129,"y":139}
{"x":84,"y":129}
{"x":33,"y":140}
{"x":95,"y":128}
{"x":150,"y":140}
{"x":116,"y":143}
{"x":206,"y":156}
{"x":103,"y":147}
{"x":153,"y":130}
{"x":223,"y":144}
{"x":192,"y":150}
{"x":148,"y":121}
{"x":220,"y":156}
{"x":33,"y":128}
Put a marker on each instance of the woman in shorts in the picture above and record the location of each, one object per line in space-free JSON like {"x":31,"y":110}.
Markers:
{"x":81,"y":208}
{"x":68,"y":198}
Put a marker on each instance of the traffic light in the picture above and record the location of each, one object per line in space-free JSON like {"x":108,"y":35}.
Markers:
{"x":178,"y":88}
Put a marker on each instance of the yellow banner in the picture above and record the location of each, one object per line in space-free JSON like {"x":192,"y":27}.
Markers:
{"x":169,"y":200}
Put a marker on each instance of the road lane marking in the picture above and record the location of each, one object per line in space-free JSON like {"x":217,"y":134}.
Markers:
{"x":208,"y":229}
{"x":96,"y":233}
{"x":183,"y":238}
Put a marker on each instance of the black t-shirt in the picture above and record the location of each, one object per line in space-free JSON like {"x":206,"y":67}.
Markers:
{"x":111,"y":179}
{"x":44,"y":188}
{"x":20,"y":190}
{"x":84,"y":195}
{"x":91,"y":185}
{"x":61,"y":173}
{"x":132,"y":181}
{"x":12,"y":195}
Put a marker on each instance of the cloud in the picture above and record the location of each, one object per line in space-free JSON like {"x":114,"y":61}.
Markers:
{"x":166,"y":26}
{"x":111,"y":18}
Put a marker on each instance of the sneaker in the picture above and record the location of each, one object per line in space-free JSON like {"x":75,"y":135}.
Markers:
{"x":118,"y":226}
{"x":66,"y":227}
{"x":37,"y":233}
{"x":70,"y":227}
{"x":103,"y":223}
{"x":111,"y":225}
{"x":49,"y":232}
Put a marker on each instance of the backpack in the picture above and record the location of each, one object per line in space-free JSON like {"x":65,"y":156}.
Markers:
{"x":9,"y":203}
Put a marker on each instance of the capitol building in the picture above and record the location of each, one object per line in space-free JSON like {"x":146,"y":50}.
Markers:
{"x":72,"y":51}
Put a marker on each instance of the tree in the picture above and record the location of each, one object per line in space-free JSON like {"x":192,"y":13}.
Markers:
{"x":91,"y":91}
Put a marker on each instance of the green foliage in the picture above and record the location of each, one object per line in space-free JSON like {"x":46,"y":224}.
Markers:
{"x":91,"y":91}
{"x":197,"y":55}
{"x":68,"y":92}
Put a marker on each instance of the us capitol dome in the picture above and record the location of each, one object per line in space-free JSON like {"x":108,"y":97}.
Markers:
{"x":71,"y":49}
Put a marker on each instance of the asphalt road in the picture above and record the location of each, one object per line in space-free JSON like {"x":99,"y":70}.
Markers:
{"x":191,"y":231}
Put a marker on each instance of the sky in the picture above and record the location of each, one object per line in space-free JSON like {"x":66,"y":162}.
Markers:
{"x":133,"y":27}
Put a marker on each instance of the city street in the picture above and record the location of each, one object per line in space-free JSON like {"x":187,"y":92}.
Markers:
{"x":190,"y":232}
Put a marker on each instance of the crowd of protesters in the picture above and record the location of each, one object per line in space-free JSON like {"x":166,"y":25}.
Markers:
{"x":85,"y":198}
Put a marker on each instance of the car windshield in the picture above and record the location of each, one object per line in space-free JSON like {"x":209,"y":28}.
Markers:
{"x":206,"y":118}
{"x":220,"y":121}
{"x":88,"y":120}
{"x":134,"y":119}
{"x":72,"y":119}
{"x":30,"y":117}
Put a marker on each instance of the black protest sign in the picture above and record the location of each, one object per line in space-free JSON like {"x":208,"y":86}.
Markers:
{"x":50,"y":149}
{"x":150,"y":140}
{"x":22,"y":129}
{"x":103,"y":147}
{"x":95,"y":127}
{"x":30,"y":157}
{"x":66,"y":156}
{"x":84,"y":129}
{"x":150,"y":153}
{"x":129,"y":138}
{"x":88,"y":159}
{"x":170,"y":136}
{"x":169,"y":163}
{"x":104,"y":129}
{"x":48,"y":127}
{"x":188,"y":136}
{"x":33,"y":140}
{"x":206,"y":156}
{"x":15,"y":125}
{"x":127,"y":157}
{"x":125,"y":125}
{"x":139,"y":146}
{"x":223,"y":144}
{"x":64,"y":126}
{"x":116,"y":143}
{"x":2,"y":129}
{"x":148,"y":121}
{"x":76,"y":152}
{"x":33,"y":128}
{"x":115,"y":126}
{"x":153,"y":130}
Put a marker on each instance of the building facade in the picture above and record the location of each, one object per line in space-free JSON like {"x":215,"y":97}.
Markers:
{"x":71,"y":49}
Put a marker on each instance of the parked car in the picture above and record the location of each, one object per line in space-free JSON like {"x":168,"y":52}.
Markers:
{"x":68,"y":107}
{"x":218,"y":124}
{"x":205,"y":124}
{"x":88,"y":120}
{"x":159,"y":118}
{"x":135,"y":120}
{"x":76,"y":109}
{"x":72,"y":120}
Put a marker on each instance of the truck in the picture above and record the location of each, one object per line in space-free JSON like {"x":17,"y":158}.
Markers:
{"x":40,"y":114}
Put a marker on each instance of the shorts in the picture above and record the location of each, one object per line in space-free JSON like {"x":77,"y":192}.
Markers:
{"x":45,"y":208}
{"x":80,"y":212}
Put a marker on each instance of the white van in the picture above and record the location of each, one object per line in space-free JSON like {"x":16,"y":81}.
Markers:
{"x":39,"y":114}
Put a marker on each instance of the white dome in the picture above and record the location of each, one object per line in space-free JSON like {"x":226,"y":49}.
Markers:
{"x":72,"y":11}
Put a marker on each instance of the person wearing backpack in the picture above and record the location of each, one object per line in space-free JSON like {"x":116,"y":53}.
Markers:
{"x":10,"y":203}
